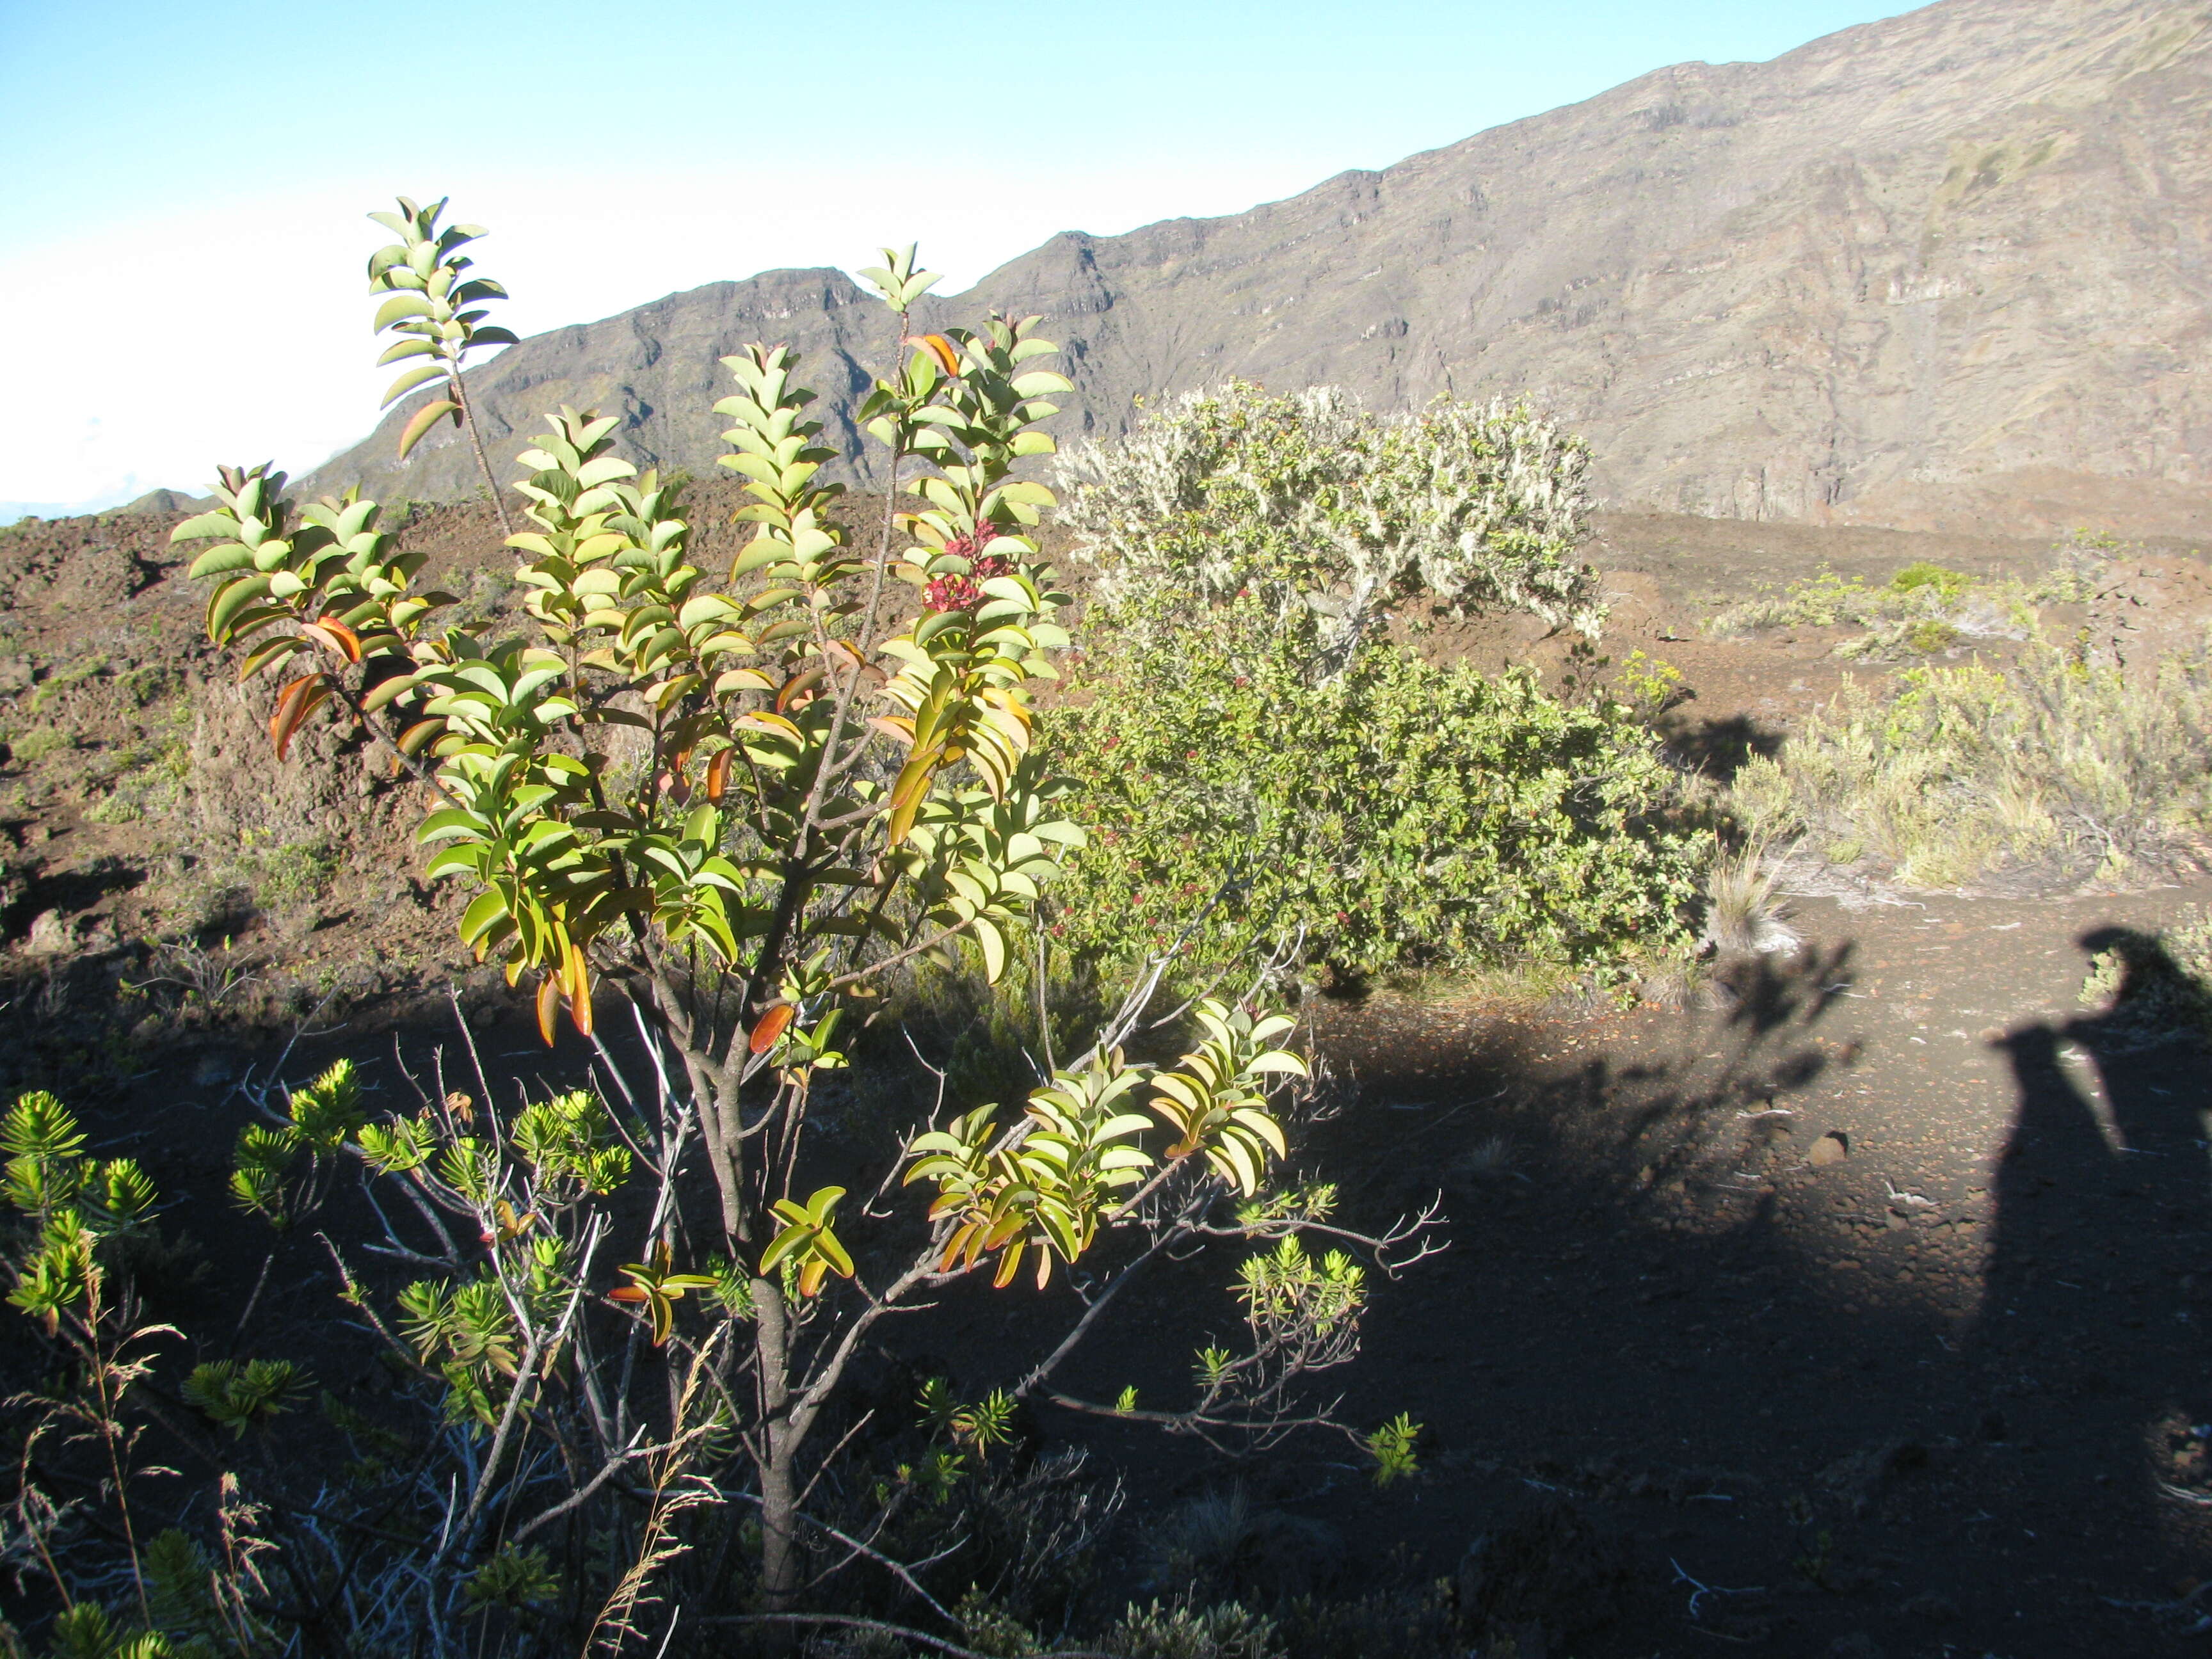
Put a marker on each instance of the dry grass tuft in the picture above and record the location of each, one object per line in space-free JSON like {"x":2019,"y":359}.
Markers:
{"x":2064,"y":768}
{"x":1743,"y":911}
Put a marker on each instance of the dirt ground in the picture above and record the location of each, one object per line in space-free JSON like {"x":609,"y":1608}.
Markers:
{"x":1876,"y":1296}
{"x":1855,"y":1310}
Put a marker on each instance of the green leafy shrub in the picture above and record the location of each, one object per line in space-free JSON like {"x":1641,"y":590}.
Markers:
{"x":36,"y":745}
{"x":1922,"y":576}
{"x":1261,"y":756}
{"x":1401,"y":813}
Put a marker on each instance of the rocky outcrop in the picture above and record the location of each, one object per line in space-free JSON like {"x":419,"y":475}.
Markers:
{"x":1946,"y":270}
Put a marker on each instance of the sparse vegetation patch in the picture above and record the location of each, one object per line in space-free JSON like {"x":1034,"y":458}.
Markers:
{"x":2060,"y":766}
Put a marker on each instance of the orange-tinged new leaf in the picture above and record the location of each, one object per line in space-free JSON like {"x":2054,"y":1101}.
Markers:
{"x":718,"y":774}
{"x":911,"y":789}
{"x":771,"y":1027}
{"x":965,"y":1240}
{"x":548,"y":1007}
{"x":797,"y":688}
{"x":942,"y":350}
{"x":294,"y":705}
{"x":334,"y":636}
{"x":577,"y":977}
{"x":626,"y":1293}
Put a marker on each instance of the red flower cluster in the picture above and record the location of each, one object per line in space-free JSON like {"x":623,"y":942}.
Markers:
{"x":950,"y":593}
{"x":970,"y":547}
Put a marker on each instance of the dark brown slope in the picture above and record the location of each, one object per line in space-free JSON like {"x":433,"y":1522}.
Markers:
{"x":1948,"y":269}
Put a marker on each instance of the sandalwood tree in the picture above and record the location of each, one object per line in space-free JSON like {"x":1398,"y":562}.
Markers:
{"x":727,"y":808}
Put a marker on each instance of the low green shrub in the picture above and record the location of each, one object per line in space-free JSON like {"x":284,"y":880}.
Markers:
{"x":1227,"y":1631}
{"x":287,"y":873}
{"x":62,"y":677}
{"x":36,"y":744}
{"x":149,"y":782}
{"x":1920,"y":592}
{"x":1402,"y":814}
{"x":1923,"y":637}
{"x":1921,"y":575}
{"x":1404,"y":1620}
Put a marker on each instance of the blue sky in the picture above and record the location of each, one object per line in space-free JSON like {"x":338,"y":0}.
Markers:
{"x":181,"y":256}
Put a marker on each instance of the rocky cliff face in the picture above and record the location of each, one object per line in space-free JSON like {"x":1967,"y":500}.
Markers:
{"x":1948,"y":271}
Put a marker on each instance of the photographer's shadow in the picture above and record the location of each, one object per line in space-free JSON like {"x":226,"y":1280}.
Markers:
{"x":2089,"y":1354}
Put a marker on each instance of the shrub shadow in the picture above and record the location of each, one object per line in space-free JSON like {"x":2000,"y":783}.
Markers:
{"x":1719,"y":746}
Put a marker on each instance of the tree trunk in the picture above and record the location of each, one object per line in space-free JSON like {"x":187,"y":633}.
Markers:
{"x":780,"y":1561}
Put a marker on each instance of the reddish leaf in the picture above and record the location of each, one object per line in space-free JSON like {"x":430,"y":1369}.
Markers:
{"x":771,"y":1027}
{"x":294,"y":705}
{"x":796,"y":688}
{"x":578,"y":978}
{"x":718,"y":773}
{"x":334,"y":636}
{"x":626,"y":1293}
{"x":548,"y":1007}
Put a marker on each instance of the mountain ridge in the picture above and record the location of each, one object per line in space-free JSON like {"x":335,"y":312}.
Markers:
{"x":1946,"y":270}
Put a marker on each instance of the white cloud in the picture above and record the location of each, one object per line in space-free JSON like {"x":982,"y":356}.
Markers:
{"x":143,"y":355}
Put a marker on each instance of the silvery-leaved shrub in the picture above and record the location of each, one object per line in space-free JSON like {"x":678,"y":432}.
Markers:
{"x":1267,"y":758}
